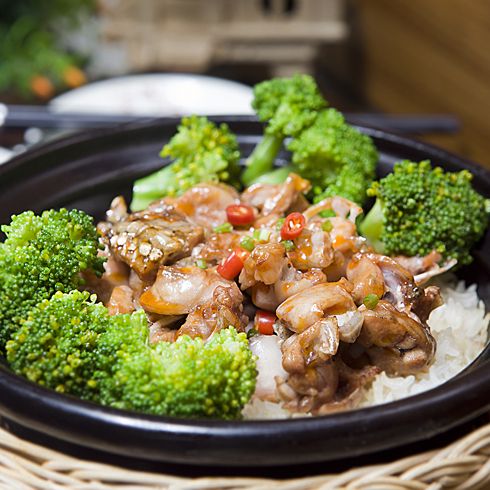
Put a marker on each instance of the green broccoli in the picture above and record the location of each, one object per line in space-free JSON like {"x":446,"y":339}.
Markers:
{"x":72,"y":345}
{"x":57,"y":345}
{"x":187,"y":378}
{"x":288,"y":105}
{"x":335,"y":157}
{"x":202,"y":152}
{"x":41,"y":255}
{"x":420,"y":209}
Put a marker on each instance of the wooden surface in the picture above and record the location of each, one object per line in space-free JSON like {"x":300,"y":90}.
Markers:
{"x":431,"y":56}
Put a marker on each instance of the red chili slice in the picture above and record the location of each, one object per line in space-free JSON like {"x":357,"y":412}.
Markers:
{"x":240,"y":214}
{"x":293,"y":226}
{"x":233,"y":264}
{"x":264,"y":322}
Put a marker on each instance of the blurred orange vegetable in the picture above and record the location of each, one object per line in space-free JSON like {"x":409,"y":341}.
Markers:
{"x":42,"y":86}
{"x":74,"y":77}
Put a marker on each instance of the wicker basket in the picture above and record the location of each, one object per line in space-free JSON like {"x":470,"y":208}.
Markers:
{"x":464,"y":464}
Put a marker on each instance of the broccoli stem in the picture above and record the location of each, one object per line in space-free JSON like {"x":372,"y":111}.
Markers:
{"x":277,"y":176}
{"x":151,"y":188}
{"x":372,"y":226}
{"x":261,"y":160}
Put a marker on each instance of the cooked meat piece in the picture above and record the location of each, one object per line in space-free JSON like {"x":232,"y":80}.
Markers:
{"x":159,"y":334}
{"x":256,"y":194}
{"x":366,"y":277}
{"x":395,"y":342}
{"x":269,"y":366}
{"x":161,"y":329}
{"x":350,"y":387}
{"x":205,"y":204}
{"x":427,"y":267}
{"x":269,"y":297}
{"x":345,"y":242}
{"x":277,"y":199}
{"x":264,"y":264}
{"x":118,"y":210}
{"x":371,"y":273}
{"x":217,"y":246}
{"x":116,"y":273}
{"x":337,"y":269}
{"x":436,"y":270}
{"x":324,"y":385}
{"x":137,"y":284}
{"x":178,"y":290}
{"x":343,"y":208}
{"x":312,"y":347}
{"x":313,"y":249}
{"x":416,"y":265}
{"x":223,"y":311}
{"x":430,"y":300}
{"x":146,"y":240}
{"x":121,"y":301}
{"x":400,"y":286}
{"x":306,"y":392}
{"x":350,"y":324}
{"x":344,"y":236}
{"x":264,"y":297}
{"x":343,"y":233}
{"x":293,"y":281}
{"x":305,"y":308}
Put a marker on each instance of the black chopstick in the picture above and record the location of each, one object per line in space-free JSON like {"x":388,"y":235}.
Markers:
{"x":407,"y":123}
{"x":25,"y":116}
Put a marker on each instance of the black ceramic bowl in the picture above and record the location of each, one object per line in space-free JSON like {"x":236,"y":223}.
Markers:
{"x":86,"y":171}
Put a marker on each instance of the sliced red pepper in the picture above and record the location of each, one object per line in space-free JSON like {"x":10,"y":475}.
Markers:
{"x":293,"y":226}
{"x":264,"y":322}
{"x":242,"y":253}
{"x":233,"y":264}
{"x":240,"y":214}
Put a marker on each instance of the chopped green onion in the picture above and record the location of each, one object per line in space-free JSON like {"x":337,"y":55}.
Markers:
{"x":261,"y":235}
{"x":252,"y":333}
{"x":327,"y":226}
{"x":279,"y":223}
{"x":264,"y":235}
{"x":224,"y":228}
{"x":201,"y":263}
{"x":248,"y":243}
{"x":370,"y":301}
{"x":328,"y":213}
{"x":288,"y":245}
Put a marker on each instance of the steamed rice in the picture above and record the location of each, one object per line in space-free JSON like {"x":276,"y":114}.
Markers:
{"x":460,"y":327}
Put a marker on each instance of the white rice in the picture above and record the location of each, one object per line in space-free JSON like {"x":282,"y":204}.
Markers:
{"x":460,"y":327}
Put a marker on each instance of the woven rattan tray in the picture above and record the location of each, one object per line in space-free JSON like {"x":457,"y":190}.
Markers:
{"x":464,"y":464}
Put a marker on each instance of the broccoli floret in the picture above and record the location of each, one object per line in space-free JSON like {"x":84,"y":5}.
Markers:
{"x":420,"y":209}
{"x":335,"y":157}
{"x":41,"y":255}
{"x":72,"y":345}
{"x":288,"y":105}
{"x":57,"y":344}
{"x":187,"y":378}
{"x":202,"y":152}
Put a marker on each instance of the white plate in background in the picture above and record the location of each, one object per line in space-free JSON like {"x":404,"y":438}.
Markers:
{"x":5,"y":155}
{"x":168,"y":94}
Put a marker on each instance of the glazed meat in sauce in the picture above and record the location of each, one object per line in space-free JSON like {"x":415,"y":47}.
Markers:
{"x":148,"y":239}
{"x":338,"y":313}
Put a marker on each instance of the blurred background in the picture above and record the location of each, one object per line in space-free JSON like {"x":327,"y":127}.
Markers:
{"x":379,"y":56}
